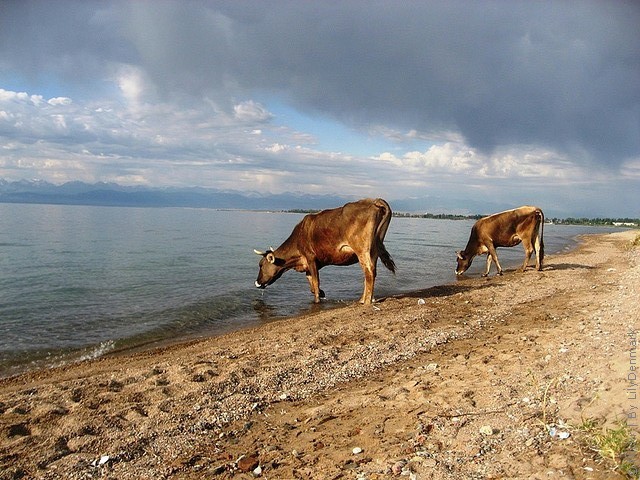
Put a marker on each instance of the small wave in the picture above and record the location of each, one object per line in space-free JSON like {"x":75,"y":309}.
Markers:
{"x":98,"y":351}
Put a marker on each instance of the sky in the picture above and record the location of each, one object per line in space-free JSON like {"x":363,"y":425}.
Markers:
{"x":460,"y":105}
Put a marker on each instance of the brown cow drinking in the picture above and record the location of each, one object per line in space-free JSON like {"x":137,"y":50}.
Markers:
{"x":340,"y":236}
{"x":505,"y":229}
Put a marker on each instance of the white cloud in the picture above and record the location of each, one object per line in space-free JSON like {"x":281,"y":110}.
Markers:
{"x":412,"y":135}
{"x":462,"y":164}
{"x":276,"y":148}
{"x":631,"y":169}
{"x":447,"y":159}
{"x":250,"y":111}
{"x":134,"y":85}
{"x":59,"y":101}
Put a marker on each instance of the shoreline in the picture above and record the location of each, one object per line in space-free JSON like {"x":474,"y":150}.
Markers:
{"x":353,"y":377}
{"x":17,"y":362}
{"x":78,"y":357}
{"x":58,"y":358}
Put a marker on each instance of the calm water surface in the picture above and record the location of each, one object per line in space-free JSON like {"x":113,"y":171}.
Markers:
{"x":77,"y":282}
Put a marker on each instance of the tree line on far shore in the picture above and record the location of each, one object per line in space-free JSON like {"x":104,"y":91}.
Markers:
{"x":611,"y":222}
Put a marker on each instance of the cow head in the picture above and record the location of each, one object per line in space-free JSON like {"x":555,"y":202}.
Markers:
{"x":271,"y":268}
{"x":464,"y":262}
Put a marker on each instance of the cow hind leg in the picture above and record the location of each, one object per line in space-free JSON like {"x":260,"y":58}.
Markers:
{"x":539,"y":246}
{"x":369,"y":271}
{"x":528,"y":250}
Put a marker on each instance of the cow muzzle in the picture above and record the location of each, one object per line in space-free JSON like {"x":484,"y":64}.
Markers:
{"x":260,"y":285}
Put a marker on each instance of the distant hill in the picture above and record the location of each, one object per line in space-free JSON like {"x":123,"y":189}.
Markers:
{"x":112,"y":194}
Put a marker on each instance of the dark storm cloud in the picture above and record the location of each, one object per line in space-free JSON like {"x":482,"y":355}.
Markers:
{"x":563,"y":74}
{"x":558,"y":74}
{"x":59,"y":42}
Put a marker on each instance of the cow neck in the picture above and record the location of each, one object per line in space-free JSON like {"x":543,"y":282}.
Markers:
{"x":290,"y":254}
{"x":472,"y":244}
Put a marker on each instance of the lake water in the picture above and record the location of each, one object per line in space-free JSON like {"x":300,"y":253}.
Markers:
{"x":78,"y":282}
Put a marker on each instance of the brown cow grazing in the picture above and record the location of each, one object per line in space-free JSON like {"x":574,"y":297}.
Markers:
{"x":505,"y":229}
{"x":340,"y":236}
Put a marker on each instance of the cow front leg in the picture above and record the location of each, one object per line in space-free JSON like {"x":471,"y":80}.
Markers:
{"x":314,"y":285}
{"x":488,"y":267}
{"x":492,"y":255}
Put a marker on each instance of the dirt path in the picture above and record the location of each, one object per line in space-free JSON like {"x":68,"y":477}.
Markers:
{"x":467,"y":380}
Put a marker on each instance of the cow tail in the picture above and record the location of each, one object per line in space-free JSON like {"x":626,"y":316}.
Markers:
{"x":387,"y":261}
{"x":541,"y":215}
{"x":381,"y":231}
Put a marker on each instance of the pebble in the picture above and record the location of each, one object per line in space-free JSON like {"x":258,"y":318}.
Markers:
{"x":562,"y":435}
{"x":248,"y":463}
{"x":397,"y":467}
{"x":357,"y":450}
{"x":429,"y":462}
{"x":486,"y":430}
{"x":103,"y":459}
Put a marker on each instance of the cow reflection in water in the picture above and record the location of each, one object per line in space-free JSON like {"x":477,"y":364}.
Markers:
{"x":353,"y":233}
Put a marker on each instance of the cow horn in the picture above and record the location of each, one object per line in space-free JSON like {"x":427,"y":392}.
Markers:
{"x":459,"y":255}
{"x":258,"y":252}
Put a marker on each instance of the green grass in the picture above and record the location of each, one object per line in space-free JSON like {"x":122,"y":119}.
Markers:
{"x":616,"y":447}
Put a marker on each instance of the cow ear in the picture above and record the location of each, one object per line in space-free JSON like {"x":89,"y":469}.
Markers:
{"x":271,"y":258}
{"x":459,"y":255}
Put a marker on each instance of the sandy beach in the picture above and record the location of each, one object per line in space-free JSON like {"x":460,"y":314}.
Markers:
{"x":482,"y":378}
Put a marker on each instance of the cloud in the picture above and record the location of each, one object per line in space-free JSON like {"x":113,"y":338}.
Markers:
{"x":456,"y":93}
{"x":521,"y":73}
{"x":132,"y":85}
{"x":251,"y":111}
{"x":467,"y":164}
{"x":559,"y":75}
{"x":59,"y":101}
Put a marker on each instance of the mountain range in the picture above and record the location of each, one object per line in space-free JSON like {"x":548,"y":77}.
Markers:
{"x":113,"y":194}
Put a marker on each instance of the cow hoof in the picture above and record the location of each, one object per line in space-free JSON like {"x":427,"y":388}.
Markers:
{"x":500,"y":273}
{"x":485,"y":274}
